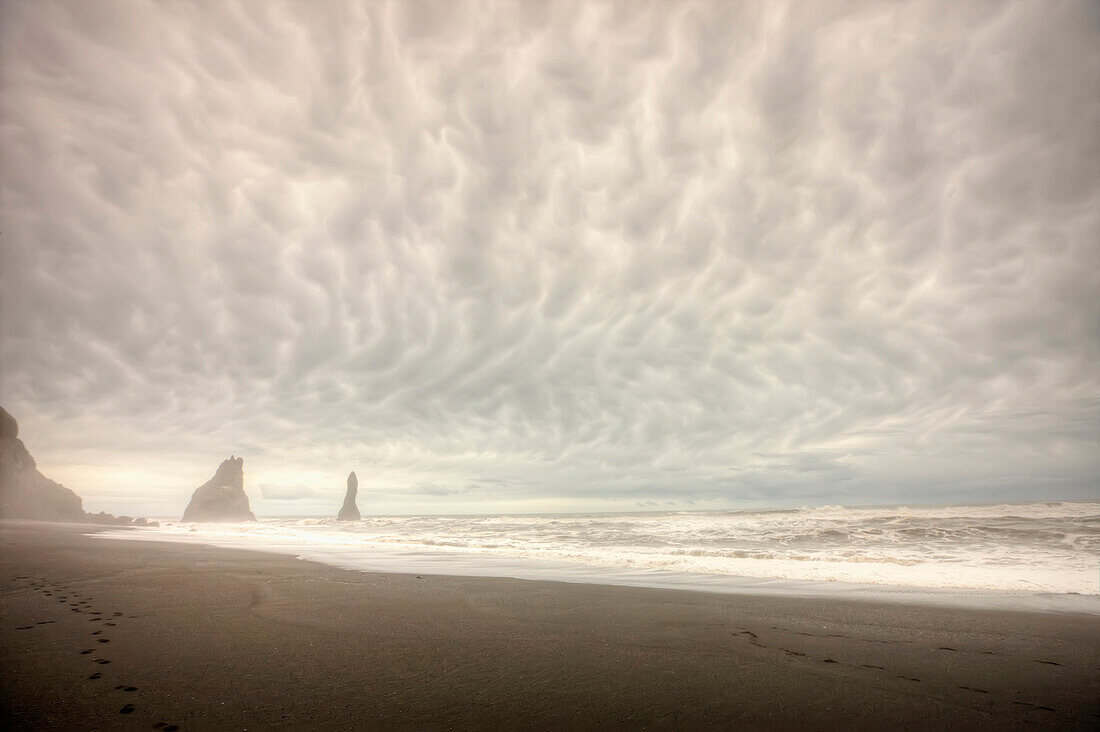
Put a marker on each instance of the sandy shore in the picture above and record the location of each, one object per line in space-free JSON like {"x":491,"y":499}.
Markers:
{"x":103,"y":634}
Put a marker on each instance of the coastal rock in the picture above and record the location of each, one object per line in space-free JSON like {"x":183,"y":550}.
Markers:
{"x":25,"y":492}
{"x":108,"y":519}
{"x":9,"y":428}
{"x":349,"y":511}
{"x":222,"y":498}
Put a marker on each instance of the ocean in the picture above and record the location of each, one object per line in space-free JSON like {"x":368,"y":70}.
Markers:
{"x":1043,"y":555}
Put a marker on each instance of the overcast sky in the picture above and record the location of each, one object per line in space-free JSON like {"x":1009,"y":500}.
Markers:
{"x":553,"y":256}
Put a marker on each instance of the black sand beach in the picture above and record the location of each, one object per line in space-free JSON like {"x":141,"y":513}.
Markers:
{"x":99,"y":634}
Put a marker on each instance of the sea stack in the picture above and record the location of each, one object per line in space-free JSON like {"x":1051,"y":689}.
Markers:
{"x":222,"y":498}
{"x":24,"y":492}
{"x":349,"y":511}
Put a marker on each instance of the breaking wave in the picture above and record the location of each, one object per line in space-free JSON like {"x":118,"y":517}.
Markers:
{"x":1050,"y":547}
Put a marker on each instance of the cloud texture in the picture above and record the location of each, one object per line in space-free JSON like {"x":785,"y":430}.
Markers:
{"x":532,"y":256}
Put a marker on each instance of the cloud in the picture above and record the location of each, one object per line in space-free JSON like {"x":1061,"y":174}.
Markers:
{"x":286,"y":492}
{"x":601,"y":252}
{"x":433,"y":489}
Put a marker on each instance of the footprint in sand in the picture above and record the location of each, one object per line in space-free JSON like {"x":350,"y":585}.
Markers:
{"x":166,"y":727}
{"x":24,"y":627}
{"x":110,"y":624}
{"x":126,"y":709}
{"x":971,"y":688}
{"x":101,"y":660}
{"x":84,"y":653}
{"x":97,"y":632}
{"x":102,"y":640}
{"x":123,"y":687}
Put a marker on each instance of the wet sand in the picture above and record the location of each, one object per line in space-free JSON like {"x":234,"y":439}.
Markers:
{"x":140,"y":635}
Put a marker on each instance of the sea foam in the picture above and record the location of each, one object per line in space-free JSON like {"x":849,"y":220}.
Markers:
{"x":1037,"y":555}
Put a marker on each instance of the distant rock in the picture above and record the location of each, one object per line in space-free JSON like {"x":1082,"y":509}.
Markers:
{"x":222,"y":498}
{"x":24,"y":492}
{"x":108,"y":519}
{"x":349,"y":511}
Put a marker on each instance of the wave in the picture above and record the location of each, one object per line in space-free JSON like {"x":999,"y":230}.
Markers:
{"x":1050,"y":546}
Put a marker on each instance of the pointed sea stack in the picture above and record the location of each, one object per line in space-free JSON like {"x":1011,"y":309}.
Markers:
{"x":222,"y":498}
{"x":24,"y":492}
{"x":349,"y":511}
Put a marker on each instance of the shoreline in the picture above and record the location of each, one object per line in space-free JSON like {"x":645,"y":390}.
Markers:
{"x":473,"y":565}
{"x":229,"y":638}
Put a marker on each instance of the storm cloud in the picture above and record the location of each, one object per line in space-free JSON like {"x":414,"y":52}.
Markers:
{"x":553,"y":256}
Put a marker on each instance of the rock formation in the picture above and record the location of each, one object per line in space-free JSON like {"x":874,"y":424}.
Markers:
{"x":349,"y":511}
{"x":222,"y":498}
{"x":24,"y":492}
{"x":9,"y":428}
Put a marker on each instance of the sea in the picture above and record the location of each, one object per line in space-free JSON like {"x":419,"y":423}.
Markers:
{"x":1032,"y":556}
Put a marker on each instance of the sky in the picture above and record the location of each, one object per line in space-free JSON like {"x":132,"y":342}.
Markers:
{"x":541,"y":257}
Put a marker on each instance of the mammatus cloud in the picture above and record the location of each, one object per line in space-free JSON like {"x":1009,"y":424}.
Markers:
{"x":546,"y":256}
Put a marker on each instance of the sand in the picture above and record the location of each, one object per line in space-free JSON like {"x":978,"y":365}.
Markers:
{"x":106,"y":634}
